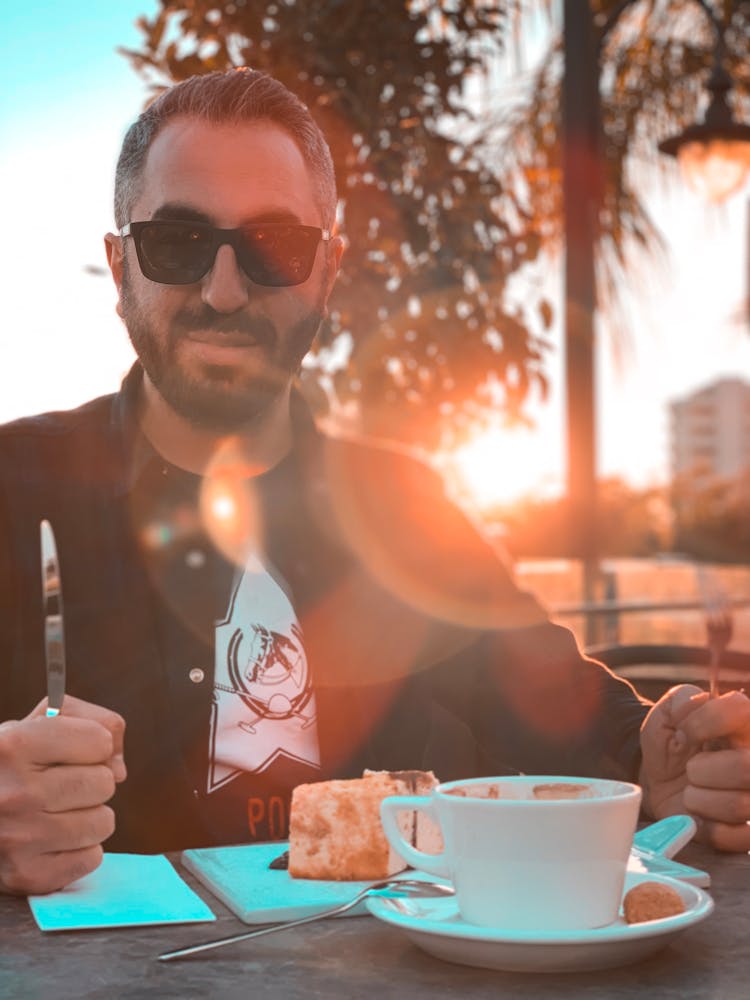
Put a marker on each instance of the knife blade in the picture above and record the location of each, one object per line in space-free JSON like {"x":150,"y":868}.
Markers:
{"x":54,"y":631}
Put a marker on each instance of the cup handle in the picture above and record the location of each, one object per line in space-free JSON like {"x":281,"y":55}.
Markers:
{"x":435,"y":864}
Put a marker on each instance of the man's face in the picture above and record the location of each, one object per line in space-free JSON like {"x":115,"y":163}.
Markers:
{"x":220,"y":350}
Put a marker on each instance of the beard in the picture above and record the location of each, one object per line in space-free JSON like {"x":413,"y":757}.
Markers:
{"x":220,"y":398}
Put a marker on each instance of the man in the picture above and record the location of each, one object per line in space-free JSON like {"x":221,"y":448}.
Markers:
{"x":260,"y":605}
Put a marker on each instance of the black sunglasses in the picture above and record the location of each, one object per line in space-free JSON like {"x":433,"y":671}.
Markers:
{"x":174,"y":252}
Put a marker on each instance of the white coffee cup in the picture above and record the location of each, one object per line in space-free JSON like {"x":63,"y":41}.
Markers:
{"x":530,"y":853}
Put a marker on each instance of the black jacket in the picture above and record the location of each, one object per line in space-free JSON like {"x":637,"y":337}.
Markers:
{"x":423,"y":652}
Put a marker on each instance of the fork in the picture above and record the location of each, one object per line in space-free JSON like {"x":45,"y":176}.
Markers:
{"x":719,"y":628}
{"x":719,"y":624}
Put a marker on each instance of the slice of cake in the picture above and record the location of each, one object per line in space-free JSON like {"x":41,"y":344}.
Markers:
{"x":335,"y":830}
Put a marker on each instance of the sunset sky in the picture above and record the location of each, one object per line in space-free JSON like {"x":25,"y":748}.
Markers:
{"x":68,"y":96}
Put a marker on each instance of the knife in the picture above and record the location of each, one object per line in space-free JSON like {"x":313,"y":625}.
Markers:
{"x":54,"y":634}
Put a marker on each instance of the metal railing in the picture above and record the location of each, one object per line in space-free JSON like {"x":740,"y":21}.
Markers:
{"x":602,"y":618}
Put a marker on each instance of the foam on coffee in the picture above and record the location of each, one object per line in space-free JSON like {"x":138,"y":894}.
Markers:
{"x":546,"y":791}
{"x":475,"y":791}
{"x":563,"y":790}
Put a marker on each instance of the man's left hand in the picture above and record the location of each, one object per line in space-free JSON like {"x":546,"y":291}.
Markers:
{"x":679,"y":775}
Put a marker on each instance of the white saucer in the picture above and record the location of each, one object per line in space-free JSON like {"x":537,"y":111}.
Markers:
{"x":436,"y":927}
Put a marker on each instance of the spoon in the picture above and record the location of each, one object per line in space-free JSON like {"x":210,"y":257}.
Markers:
{"x":398,"y":887}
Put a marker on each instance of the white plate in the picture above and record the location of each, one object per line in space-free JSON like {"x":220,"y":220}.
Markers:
{"x":436,"y":927}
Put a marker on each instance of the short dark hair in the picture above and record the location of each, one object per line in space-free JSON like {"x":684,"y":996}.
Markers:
{"x":226,"y":97}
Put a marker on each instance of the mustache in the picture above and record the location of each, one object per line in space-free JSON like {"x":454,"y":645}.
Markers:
{"x":256,"y":328}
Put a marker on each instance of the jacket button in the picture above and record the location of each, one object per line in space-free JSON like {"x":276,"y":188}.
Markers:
{"x":196,"y":675}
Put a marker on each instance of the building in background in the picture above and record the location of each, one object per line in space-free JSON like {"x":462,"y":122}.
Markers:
{"x":710,"y":431}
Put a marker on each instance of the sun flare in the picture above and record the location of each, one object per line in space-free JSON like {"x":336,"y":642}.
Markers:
{"x":496,"y":466}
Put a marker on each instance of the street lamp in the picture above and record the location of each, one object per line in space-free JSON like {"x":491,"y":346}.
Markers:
{"x":714,"y":155}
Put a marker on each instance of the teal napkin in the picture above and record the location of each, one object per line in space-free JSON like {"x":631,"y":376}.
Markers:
{"x":126,"y":890}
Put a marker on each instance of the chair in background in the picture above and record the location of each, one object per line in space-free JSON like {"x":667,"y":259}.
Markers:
{"x":654,"y":669}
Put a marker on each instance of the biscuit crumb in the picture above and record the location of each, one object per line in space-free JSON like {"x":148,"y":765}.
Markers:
{"x":651,"y":901}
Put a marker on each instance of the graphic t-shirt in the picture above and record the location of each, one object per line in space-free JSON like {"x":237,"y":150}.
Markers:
{"x":263,"y":732}
{"x":264,"y":704}
{"x":240,"y":691}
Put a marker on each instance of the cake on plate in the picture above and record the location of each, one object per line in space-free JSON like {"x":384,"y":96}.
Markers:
{"x":335,"y":830}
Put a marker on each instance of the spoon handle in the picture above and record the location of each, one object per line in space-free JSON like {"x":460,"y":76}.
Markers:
{"x":169,"y":956}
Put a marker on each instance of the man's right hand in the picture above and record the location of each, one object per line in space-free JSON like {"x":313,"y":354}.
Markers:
{"x":55,"y":776}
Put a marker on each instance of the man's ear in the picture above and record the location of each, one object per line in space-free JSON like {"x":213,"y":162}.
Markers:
{"x":113,"y":249}
{"x":333,"y":263}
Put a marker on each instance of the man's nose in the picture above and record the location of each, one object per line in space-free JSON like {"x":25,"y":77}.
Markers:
{"x":225,"y":287}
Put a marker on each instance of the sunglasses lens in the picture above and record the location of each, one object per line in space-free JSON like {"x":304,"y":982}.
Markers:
{"x":278,"y":255}
{"x":180,"y":253}
{"x":176,"y":253}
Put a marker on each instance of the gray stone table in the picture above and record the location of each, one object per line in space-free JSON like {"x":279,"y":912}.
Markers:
{"x":358,"y":957}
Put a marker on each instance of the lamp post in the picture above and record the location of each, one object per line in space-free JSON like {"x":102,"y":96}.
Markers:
{"x":714,"y":155}
{"x":717,"y":140}
{"x":581,"y":169}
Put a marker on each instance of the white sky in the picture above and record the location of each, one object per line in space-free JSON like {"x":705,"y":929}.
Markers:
{"x":68,"y":96}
